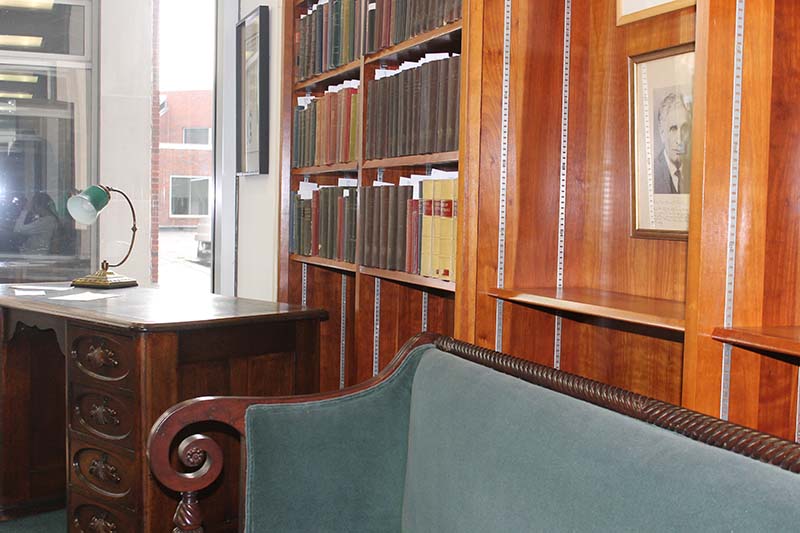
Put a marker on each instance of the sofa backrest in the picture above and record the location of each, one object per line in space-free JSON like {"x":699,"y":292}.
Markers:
{"x":488,"y":452}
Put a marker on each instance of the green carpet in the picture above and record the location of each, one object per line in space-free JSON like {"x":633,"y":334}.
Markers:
{"x":55,"y":522}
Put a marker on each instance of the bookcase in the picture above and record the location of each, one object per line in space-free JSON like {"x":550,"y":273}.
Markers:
{"x":372,"y":102}
{"x":548,"y":267}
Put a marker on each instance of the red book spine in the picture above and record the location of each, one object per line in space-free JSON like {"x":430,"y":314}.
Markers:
{"x":340,"y":228}
{"x":315,"y":223}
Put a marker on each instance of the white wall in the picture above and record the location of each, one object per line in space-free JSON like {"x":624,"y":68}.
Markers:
{"x":259,"y":223}
{"x":125,"y":142}
{"x":125,"y":129}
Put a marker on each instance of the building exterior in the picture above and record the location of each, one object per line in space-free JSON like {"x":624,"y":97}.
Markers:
{"x":186,"y":158}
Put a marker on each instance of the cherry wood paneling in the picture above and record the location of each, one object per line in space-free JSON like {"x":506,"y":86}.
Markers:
{"x":491,"y":97}
{"x":325,"y":291}
{"x":640,"y":363}
{"x":762,"y":389}
{"x":713,"y":89}
{"x":781,"y":238}
{"x":534,"y":171}
{"x":600,"y":252}
{"x":470,"y":157}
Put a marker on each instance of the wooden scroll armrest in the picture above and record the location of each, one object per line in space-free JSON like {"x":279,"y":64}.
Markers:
{"x":202,"y":454}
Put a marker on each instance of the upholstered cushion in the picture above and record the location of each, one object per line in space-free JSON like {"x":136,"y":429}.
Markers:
{"x":330,"y":466}
{"x":488,"y":452}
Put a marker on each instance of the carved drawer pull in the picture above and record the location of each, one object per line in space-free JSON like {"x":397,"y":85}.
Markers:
{"x":100,"y":357}
{"x":103,"y":470}
{"x":103,"y":415}
{"x":101,"y":524}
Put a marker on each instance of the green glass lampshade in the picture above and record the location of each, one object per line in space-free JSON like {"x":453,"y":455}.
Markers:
{"x":85,"y":207}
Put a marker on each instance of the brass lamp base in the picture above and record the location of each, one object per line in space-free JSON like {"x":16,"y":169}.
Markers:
{"x":104,"y":279}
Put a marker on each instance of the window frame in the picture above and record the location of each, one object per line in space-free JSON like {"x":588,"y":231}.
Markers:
{"x":184,"y":176}
{"x":90,"y":20}
{"x":209,"y":130}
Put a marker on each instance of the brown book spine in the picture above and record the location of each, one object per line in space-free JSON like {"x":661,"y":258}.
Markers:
{"x":409,"y":244}
{"x":391,"y":239}
{"x":340,"y":214}
{"x":442,"y":104}
{"x":366,"y":233}
{"x":377,"y":214}
{"x":403,"y":195}
{"x":360,"y":232}
{"x":453,"y":89}
{"x":383,"y":226}
{"x":315,"y":223}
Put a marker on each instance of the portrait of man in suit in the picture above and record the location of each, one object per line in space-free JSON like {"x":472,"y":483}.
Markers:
{"x":671,"y":167}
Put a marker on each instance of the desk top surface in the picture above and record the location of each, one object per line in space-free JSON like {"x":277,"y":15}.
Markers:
{"x":144,"y":309}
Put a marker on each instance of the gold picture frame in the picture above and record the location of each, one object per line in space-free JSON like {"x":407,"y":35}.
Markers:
{"x":632,"y":10}
{"x":660,"y":115}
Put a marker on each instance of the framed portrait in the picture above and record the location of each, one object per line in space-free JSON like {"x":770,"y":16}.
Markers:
{"x":252,"y":97}
{"x":632,"y":10}
{"x":661,"y":142}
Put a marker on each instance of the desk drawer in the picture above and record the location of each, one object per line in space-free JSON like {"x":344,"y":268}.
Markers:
{"x":107,"y":474}
{"x":99,"y":413}
{"x":87,"y":516}
{"x":103,"y":357}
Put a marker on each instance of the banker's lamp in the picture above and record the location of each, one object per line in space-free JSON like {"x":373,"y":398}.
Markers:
{"x":84,"y":208}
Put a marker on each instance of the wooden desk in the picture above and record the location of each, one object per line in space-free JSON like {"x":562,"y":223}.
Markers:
{"x":128,"y":359}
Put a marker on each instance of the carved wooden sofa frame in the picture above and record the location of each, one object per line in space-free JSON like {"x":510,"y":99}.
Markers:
{"x":204,"y":456}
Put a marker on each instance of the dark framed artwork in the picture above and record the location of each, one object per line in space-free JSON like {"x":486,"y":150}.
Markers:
{"x":660,"y":115}
{"x":252,"y":98}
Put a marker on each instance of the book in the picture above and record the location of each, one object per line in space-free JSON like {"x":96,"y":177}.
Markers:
{"x":391,"y":221}
{"x":426,"y":237}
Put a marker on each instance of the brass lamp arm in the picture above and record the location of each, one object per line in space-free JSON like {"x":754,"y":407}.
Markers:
{"x":105,"y":264}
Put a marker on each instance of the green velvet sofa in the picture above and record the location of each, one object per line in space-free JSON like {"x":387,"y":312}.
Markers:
{"x":455,"y":438}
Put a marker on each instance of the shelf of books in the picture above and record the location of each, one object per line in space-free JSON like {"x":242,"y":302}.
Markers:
{"x":374,"y":175}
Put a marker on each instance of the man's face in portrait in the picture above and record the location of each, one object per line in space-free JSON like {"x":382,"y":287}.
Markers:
{"x":675,"y":129}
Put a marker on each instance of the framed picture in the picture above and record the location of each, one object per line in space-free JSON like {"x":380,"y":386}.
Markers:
{"x":252,"y":98}
{"x":633,"y":10}
{"x":661,"y":143}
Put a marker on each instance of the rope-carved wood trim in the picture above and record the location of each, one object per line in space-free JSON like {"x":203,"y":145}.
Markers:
{"x":697,"y":426}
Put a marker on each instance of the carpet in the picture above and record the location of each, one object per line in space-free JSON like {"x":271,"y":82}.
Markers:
{"x":55,"y":522}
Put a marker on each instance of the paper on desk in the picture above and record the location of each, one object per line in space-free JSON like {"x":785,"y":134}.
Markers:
{"x":19,"y":292}
{"x":40,"y":288}
{"x":85,"y":296}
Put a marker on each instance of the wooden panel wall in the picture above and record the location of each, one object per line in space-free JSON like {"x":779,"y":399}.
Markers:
{"x":400,"y":319}
{"x":763,"y":390}
{"x":600,"y":252}
{"x":324,"y":291}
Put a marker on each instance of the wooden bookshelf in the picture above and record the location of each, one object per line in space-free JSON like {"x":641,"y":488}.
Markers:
{"x":409,"y":279}
{"x":444,"y":39}
{"x":324,"y":262}
{"x":351,"y":166}
{"x":320,"y":82}
{"x":350,"y":293}
{"x":783,"y":340}
{"x":665,"y":314}
{"x":412,"y":160}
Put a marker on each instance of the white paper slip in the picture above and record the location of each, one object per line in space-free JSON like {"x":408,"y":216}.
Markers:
{"x":18,"y":292}
{"x":85,"y":296}
{"x":41,"y":288}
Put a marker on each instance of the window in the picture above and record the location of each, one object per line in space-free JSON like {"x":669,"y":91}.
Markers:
{"x":189,"y":196}
{"x":47,"y":149}
{"x":197,"y":136}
